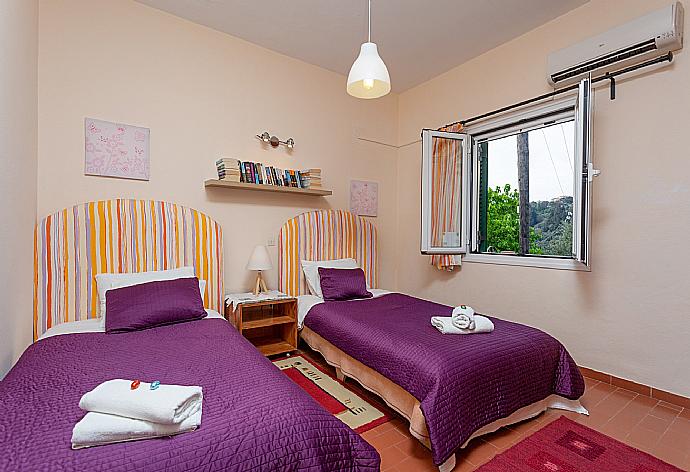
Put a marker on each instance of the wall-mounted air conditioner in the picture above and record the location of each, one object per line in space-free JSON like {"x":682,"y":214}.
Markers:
{"x":646,"y":37}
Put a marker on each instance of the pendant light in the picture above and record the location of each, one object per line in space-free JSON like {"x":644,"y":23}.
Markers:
{"x":369,"y":75}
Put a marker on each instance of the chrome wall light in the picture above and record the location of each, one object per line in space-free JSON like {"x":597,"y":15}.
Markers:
{"x":274,"y":141}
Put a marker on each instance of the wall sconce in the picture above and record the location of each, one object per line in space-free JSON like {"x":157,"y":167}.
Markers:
{"x":274,"y":141}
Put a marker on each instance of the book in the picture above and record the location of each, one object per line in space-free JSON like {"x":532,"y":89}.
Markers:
{"x":311,"y":178}
{"x":228,"y":169}
{"x":234,"y":170}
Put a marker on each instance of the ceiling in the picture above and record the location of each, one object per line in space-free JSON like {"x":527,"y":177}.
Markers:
{"x":417,"y":39}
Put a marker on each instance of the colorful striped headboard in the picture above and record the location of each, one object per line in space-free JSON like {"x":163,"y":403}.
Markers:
{"x":324,"y":235}
{"x":73,"y":245}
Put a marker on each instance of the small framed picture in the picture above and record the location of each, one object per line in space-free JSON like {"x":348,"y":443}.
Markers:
{"x":364,"y":198}
{"x":116,"y":150}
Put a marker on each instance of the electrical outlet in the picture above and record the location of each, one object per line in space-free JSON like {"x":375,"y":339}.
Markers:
{"x":271,"y":242}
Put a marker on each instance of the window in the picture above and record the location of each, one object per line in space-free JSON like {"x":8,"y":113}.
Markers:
{"x":513,"y":189}
{"x":444,"y":189}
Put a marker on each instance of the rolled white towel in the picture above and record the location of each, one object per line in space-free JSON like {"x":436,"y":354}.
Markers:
{"x":168,"y":404}
{"x":98,"y":429}
{"x":445,"y":325}
{"x":463,"y":317}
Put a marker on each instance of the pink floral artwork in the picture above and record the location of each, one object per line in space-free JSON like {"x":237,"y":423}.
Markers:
{"x":364,"y":198}
{"x":116,"y":150}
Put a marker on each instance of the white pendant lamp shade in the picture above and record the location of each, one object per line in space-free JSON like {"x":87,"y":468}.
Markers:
{"x":369,"y":75}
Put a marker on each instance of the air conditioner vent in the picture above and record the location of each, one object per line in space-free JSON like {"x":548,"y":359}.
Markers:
{"x":602,"y":62}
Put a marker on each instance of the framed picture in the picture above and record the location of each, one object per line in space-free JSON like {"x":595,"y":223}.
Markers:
{"x":364,"y":198}
{"x":116,"y":150}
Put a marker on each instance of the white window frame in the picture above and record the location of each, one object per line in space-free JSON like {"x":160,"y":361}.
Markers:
{"x":427,"y":151}
{"x":577,"y":107}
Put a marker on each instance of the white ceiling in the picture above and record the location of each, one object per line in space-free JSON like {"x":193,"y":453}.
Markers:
{"x":417,"y":39}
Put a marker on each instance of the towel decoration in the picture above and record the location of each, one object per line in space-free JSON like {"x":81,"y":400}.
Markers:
{"x":119,"y":410}
{"x":463,"y":320}
{"x":463,"y":317}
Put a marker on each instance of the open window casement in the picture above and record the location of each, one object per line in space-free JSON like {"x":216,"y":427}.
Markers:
{"x":584,"y":172}
{"x":444,"y":192}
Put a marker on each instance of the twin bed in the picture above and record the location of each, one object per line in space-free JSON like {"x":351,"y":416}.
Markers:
{"x":450,"y":388}
{"x":254,"y":417}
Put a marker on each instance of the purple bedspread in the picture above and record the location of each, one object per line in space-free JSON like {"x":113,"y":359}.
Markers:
{"x":463,"y":382}
{"x":254,"y":418}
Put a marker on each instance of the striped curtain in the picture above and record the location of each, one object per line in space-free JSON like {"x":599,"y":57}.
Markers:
{"x":116,"y":236}
{"x":324,"y":235}
{"x":446,"y":195}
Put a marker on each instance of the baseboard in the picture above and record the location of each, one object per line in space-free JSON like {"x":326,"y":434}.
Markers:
{"x":642,"y":389}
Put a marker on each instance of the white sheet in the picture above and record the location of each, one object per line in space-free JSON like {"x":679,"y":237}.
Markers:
{"x":306,"y":302}
{"x":94,"y":326}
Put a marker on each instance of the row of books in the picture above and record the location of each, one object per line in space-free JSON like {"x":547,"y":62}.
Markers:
{"x":234,"y":170}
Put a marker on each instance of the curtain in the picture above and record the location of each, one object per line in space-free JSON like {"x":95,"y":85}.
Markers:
{"x":446,"y":194}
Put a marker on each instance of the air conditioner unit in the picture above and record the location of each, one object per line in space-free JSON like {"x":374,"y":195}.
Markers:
{"x":646,"y":37}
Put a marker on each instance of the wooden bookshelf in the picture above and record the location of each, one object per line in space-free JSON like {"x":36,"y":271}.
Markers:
{"x":314,"y":192}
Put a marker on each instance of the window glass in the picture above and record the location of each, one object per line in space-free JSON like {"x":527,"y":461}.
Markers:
{"x":442,"y":193}
{"x":526,"y":192}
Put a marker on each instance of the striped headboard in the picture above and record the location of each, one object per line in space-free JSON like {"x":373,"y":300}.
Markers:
{"x":74,"y":244}
{"x":324,"y":235}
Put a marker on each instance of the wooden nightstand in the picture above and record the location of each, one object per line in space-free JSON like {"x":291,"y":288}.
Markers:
{"x":270,"y":325}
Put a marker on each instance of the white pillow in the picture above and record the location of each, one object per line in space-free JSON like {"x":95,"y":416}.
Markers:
{"x":105,"y":282}
{"x":311,"y":271}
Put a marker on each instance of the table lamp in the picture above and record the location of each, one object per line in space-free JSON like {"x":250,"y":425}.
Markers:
{"x":259,"y":260}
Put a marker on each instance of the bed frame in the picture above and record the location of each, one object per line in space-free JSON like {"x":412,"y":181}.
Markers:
{"x":304,"y":237}
{"x":72,"y":245}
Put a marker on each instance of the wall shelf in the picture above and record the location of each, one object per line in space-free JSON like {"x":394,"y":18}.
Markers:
{"x":314,"y":192}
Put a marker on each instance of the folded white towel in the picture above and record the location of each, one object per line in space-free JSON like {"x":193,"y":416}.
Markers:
{"x":463,"y":317}
{"x":168,"y":404}
{"x":97,"y":429}
{"x":445,"y":325}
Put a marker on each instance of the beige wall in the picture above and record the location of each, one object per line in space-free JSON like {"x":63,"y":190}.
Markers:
{"x":18,"y":136}
{"x":203,"y":94}
{"x":631,"y":315}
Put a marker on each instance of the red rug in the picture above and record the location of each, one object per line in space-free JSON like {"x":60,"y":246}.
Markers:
{"x":567,"y":446}
{"x":332,"y":394}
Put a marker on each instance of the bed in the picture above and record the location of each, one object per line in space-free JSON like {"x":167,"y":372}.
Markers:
{"x":254,"y":418}
{"x":450,"y":388}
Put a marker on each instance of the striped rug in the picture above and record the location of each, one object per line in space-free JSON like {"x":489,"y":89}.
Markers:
{"x":332,"y":394}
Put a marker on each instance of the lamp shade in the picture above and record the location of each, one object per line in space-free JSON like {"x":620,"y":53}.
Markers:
{"x":369,"y":75}
{"x":259,"y":259}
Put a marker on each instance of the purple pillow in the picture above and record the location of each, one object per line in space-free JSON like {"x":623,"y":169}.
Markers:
{"x":153,"y":304}
{"x":342,"y":284}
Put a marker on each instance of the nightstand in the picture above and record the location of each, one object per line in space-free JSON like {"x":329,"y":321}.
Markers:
{"x":270,"y":325}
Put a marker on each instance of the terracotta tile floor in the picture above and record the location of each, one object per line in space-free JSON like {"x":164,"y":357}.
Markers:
{"x":659,"y":428}
{"x":655,"y":427}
